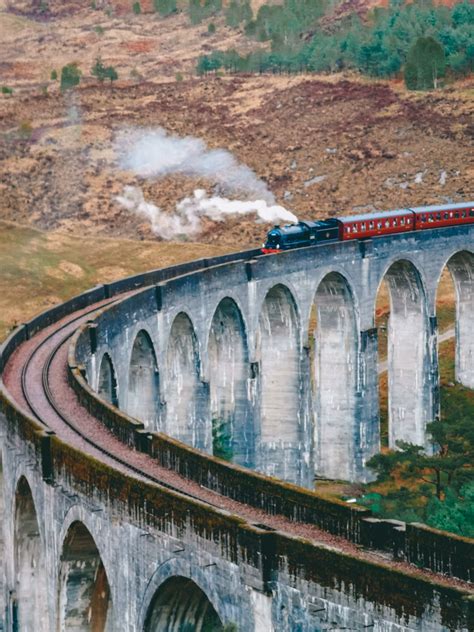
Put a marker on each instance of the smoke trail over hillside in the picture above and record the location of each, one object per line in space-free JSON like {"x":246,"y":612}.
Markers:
{"x":187,"y":217}
{"x":154,"y":153}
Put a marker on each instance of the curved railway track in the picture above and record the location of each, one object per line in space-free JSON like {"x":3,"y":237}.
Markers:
{"x":66,"y":418}
{"x":37,"y":375}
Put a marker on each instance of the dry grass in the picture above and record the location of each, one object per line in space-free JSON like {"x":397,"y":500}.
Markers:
{"x":41,"y":269}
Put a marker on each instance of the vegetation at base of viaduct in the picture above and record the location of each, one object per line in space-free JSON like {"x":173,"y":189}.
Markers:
{"x":438,"y":489}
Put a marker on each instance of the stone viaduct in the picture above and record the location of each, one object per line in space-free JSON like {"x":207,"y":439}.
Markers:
{"x":274,"y":360}
{"x":269,"y":363}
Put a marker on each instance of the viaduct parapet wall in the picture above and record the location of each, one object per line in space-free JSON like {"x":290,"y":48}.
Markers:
{"x":228,"y":346}
{"x":272,"y":362}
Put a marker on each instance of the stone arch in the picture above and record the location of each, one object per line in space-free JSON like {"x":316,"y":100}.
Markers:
{"x":410,"y":392}
{"x":29,"y":602}
{"x":334,"y":346}
{"x":186,"y":396}
{"x":143,"y":397}
{"x":278,"y":343}
{"x":107,"y":381}
{"x":228,"y":379}
{"x":179,"y":604}
{"x":84,"y":602}
{"x":461,"y":268}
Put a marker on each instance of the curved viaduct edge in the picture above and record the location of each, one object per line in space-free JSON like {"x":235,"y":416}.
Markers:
{"x":267,"y":551}
{"x":151,"y":506}
{"x":410,"y":541}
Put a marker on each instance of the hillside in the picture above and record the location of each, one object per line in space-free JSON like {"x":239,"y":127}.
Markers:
{"x":323,"y":144}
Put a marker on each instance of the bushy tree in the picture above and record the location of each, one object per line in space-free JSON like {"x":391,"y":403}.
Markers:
{"x":424,"y":38}
{"x":439,"y":488}
{"x":463,"y":13}
{"x":111,"y":74}
{"x":165,"y":7}
{"x":207,"y":64}
{"x":103,"y":72}
{"x":200,"y":10}
{"x":455,"y":513}
{"x":425,"y":65}
{"x":70,"y":76}
{"x":237,"y":12}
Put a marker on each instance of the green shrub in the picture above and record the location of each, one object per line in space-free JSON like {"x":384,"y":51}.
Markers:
{"x":103,"y":72}
{"x":70,"y":76}
{"x":165,"y":7}
{"x":222,"y":439}
{"x":137,"y":9}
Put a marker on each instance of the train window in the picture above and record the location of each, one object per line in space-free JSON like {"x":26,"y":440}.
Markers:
{"x":423,"y":218}
{"x":402,"y":221}
{"x":348,"y":229}
{"x":408,"y":221}
{"x":463,"y":214}
{"x":446,"y":215}
{"x":371,"y":224}
{"x":456,"y":215}
{"x":438,"y":216}
{"x":354,"y":228}
{"x":362,"y":226}
{"x":431,"y":218}
{"x":471,"y":212}
{"x":395,"y":222}
{"x":379,"y":224}
{"x":450,"y":213}
{"x":387,"y":224}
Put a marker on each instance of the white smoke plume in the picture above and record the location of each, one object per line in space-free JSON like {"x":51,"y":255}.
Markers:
{"x":152,"y":153}
{"x":187,"y":217}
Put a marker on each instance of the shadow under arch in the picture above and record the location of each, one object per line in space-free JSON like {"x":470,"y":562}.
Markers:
{"x":279,"y":348}
{"x":143,"y":397}
{"x":29,"y":604}
{"x":461,"y":267}
{"x":187,"y":398}
{"x":334,"y":344}
{"x":107,"y":382}
{"x":180,"y":605}
{"x":228,"y":378}
{"x":84,"y":602}
{"x":410,"y":389}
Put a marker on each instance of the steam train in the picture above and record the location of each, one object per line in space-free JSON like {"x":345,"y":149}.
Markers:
{"x":366,"y":226}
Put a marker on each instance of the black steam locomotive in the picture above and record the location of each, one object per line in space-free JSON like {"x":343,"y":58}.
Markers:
{"x":366,"y":226}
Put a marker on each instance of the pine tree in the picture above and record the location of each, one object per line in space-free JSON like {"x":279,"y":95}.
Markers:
{"x":425,"y":65}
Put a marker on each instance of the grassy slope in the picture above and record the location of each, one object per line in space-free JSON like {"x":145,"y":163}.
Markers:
{"x":38,"y":270}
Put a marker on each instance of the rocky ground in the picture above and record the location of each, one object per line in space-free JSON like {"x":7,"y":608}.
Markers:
{"x":323,"y":145}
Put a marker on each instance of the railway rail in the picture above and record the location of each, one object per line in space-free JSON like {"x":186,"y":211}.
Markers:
{"x":35,"y":377}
